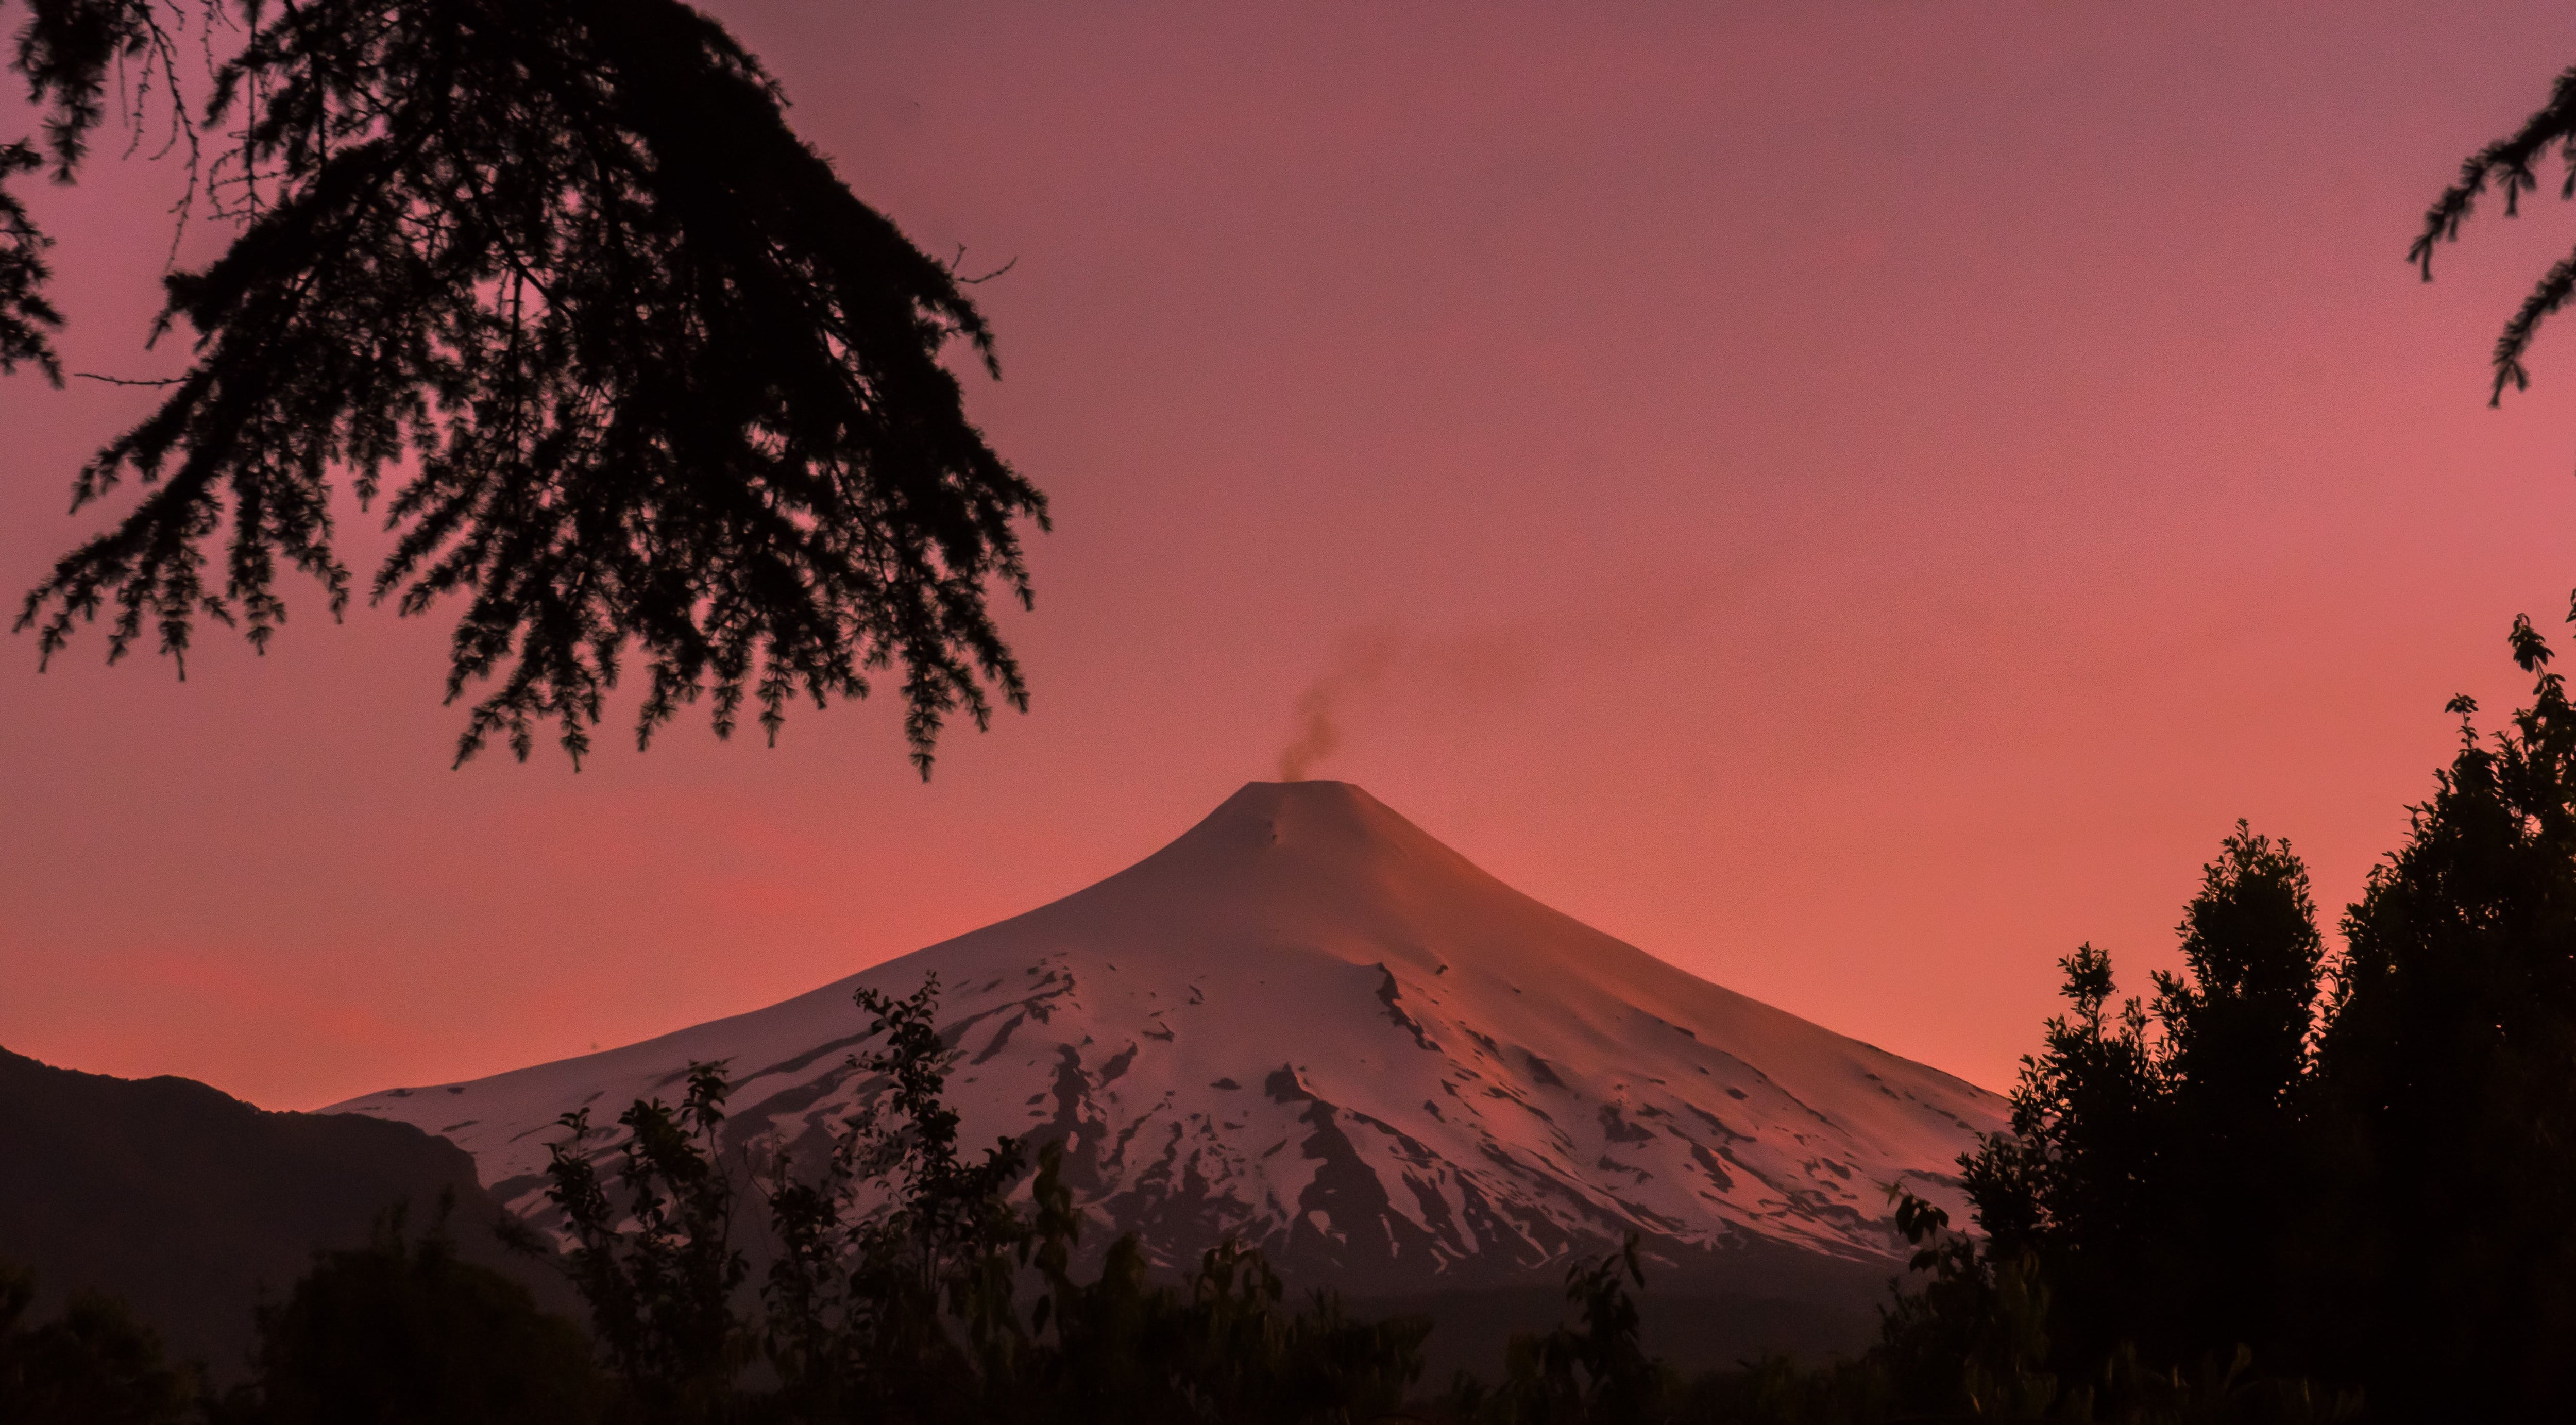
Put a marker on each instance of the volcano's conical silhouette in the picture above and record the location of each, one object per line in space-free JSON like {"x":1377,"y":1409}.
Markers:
{"x":1310,"y":1025}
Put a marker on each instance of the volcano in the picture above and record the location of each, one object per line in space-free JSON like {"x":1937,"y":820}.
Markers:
{"x":1310,"y":1026}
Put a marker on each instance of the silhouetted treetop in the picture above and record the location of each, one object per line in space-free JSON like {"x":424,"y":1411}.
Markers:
{"x":630,"y":367}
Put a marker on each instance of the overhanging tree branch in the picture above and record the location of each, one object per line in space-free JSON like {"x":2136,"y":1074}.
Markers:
{"x":642,"y":373}
{"x":2508,"y":165}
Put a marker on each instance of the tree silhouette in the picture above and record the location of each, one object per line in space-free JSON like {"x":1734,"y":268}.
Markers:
{"x":2154,"y":1164}
{"x":402,"y":1332}
{"x":2446,"y":1100}
{"x":93,"y":1362}
{"x":897,"y":1270}
{"x":629,"y":367}
{"x":2348,"y":1165}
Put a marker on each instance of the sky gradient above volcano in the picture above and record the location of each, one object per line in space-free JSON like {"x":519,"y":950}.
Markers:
{"x":1853,"y":499}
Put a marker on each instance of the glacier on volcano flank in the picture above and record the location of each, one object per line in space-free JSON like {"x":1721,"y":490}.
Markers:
{"x":1308,"y":1025}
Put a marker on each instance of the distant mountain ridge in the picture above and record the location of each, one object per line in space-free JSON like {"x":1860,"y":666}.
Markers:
{"x":1309,"y":1025}
{"x":189,"y":1204}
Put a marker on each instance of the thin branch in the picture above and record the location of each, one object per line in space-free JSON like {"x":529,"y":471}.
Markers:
{"x":129,"y":380}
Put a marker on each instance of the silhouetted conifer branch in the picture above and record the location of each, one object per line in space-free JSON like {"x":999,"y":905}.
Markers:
{"x":631,"y":368}
{"x":2508,"y":165}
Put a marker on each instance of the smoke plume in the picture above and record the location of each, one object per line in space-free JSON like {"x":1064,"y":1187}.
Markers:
{"x":1462,"y":674}
{"x":1458,"y":672}
{"x":1359,"y":667}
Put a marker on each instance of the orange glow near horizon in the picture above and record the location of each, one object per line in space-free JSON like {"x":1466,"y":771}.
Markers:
{"x":1851,"y":498}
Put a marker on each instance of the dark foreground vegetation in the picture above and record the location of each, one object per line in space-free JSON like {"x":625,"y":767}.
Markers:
{"x":2288,"y":1184}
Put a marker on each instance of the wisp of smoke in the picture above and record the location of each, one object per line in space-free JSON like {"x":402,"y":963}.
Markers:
{"x":1459,"y":671}
{"x":1317,"y":734}
{"x":1470,"y":671}
{"x":1360,"y":665}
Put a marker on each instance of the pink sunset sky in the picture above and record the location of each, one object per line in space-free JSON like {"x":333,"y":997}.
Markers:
{"x":1852,"y":498}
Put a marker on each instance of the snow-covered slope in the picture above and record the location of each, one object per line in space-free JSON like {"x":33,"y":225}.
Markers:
{"x":1309,"y":1025}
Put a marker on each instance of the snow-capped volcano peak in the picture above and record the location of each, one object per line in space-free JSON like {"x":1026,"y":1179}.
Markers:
{"x":1308,"y":1024}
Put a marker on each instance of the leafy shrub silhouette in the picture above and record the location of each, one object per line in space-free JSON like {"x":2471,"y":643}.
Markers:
{"x":401,"y":1332}
{"x":94,"y":1364}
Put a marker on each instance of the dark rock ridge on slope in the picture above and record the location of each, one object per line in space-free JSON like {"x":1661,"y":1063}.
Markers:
{"x":1309,"y":1025}
{"x":188,"y":1203}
